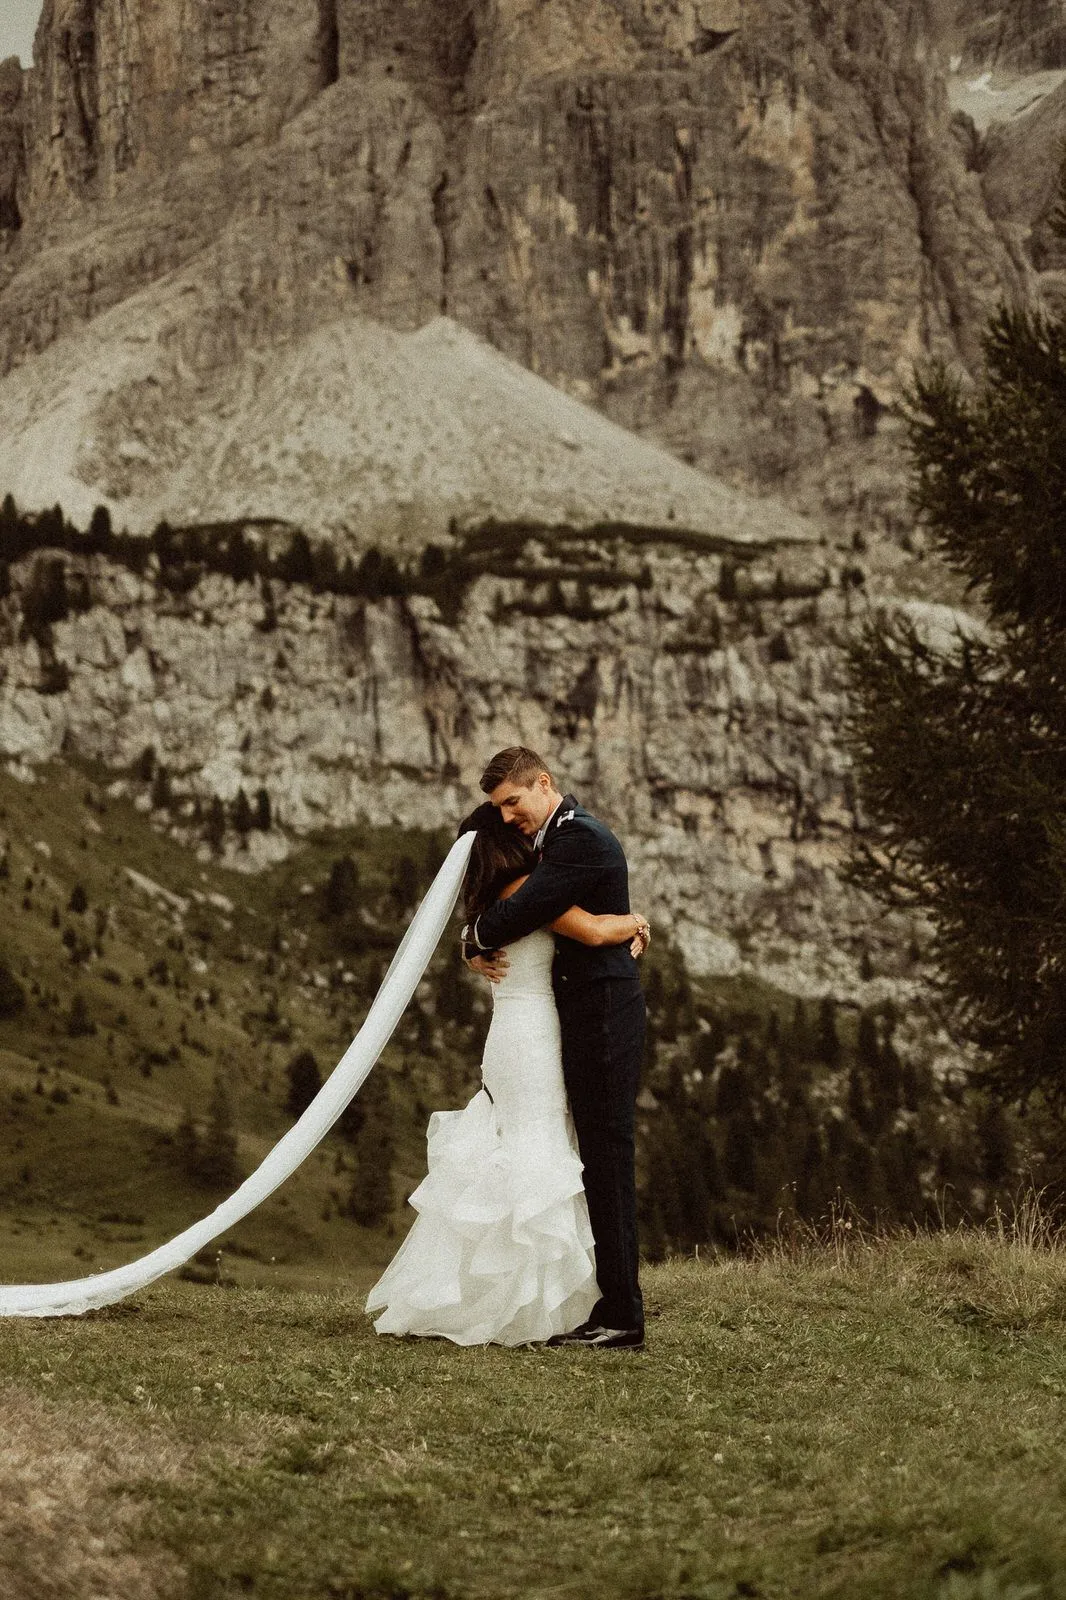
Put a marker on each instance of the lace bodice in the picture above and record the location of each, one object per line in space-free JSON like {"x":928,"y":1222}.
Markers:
{"x":529,"y":969}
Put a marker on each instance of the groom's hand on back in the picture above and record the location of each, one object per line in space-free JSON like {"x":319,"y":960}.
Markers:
{"x":492,"y":966}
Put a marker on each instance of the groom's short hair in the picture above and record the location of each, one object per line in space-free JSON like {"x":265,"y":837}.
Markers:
{"x":516,"y":764}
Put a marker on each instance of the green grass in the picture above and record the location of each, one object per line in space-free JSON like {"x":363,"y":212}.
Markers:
{"x":865,"y":1419}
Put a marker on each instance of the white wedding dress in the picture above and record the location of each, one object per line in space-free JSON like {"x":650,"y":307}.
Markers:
{"x":501,"y":1250}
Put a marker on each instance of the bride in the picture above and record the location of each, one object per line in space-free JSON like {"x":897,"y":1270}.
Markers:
{"x":501,"y":1250}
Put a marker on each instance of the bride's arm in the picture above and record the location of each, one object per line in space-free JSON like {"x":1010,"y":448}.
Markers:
{"x":586,"y":928}
{"x":608,"y":928}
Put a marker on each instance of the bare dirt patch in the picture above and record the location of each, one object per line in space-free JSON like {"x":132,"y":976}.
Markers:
{"x":65,"y":1519}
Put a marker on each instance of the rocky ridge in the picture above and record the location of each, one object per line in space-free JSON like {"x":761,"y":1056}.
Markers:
{"x":694,"y":699}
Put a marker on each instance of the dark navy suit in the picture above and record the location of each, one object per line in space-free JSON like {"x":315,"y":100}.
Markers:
{"x":601,"y":1008}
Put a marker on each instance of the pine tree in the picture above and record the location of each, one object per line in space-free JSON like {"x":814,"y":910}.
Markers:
{"x":654,"y":1244}
{"x":218,"y":1166}
{"x":771,"y":1162}
{"x":215,"y":831}
{"x":859,"y":1108}
{"x":828,"y":1037}
{"x":351,"y":1120}
{"x":304,"y":1080}
{"x":868,"y":1046}
{"x":269,"y":620}
{"x":370,"y":1197}
{"x":708,"y":1045}
{"x":12,"y":994}
{"x":960,"y":745}
{"x":242,"y":815}
{"x":738,"y":1148}
{"x":664,"y":1187}
{"x":997,"y":1145}
{"x":456,"y":993}
{"x":79,"y":1023}
{"x":801,"y":1033}
{"x":297,"y":563}
{"x":902,"y":1162}
{"x":404,"y":885}
{"x":342,"y":889}
{"x":100,"y":531}
{"x":654,"y":1000}
{"x":187,"y":1144}
{"x":45,"y":598}
{"x":814,"y":1187}
{"x":161,"y":795}
{"x":239,"y":557}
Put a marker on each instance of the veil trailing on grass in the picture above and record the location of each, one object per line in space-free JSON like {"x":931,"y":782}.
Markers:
{"x":398,"y":985}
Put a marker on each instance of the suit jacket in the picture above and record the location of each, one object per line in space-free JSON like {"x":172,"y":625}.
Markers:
{"x":581,"y":864}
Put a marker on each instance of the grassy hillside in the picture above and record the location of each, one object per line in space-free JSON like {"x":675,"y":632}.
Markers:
{"x":852,"y":1421}
{"x":141,"y":986}
{"x":149,"y":972}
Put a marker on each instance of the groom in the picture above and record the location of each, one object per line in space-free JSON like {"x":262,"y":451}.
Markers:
{"x":601,"y":1009}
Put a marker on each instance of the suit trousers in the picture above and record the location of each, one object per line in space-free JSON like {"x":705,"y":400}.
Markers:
{"x":603,"y":1026}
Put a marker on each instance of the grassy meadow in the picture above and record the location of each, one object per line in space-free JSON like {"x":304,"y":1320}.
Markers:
{"x":140,"y":988}
{"x":851,"y":1419}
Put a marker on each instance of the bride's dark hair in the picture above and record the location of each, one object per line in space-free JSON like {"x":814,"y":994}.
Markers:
{"x":499,"y":856}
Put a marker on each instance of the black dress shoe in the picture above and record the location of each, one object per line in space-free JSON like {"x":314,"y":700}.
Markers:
{"x":594,"y":1336}
{"x":565,"y":1338}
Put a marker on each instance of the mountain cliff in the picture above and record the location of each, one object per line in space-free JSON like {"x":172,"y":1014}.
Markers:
{"x":1026,"y":35}
{"x":734,"y":225}
{"x":1008,"y":84}
{"x":693,"y":694}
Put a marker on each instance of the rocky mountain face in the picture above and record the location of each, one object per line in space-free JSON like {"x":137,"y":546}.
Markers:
{"x":695,"y":697}
{"x":1009,"y":89}
{"x":733,"y":225}
{"x":729,"y":222}
{"x":1026,"y":35}
{"x":12,"y":152}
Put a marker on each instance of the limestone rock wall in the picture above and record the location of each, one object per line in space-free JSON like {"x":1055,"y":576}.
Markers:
{"x":786,"y":205}
{"x":733,"y":223}
{"x":118,"y":85}
{"x":700,"y":716}
{"x":1023,"y":161}
{"x":1023,"y":35}
{"x":12,"y":152}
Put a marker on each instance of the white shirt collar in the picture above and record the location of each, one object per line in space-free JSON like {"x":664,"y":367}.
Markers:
{"x":542,"y":833}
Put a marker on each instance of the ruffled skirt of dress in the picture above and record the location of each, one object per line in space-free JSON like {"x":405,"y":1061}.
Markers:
{"x":501,"y":1250}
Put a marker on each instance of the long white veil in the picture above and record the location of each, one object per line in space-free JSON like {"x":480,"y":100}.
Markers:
{"x":398,"y":985}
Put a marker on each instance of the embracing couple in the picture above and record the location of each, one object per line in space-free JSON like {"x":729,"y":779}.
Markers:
{"x":522,"y":1236}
